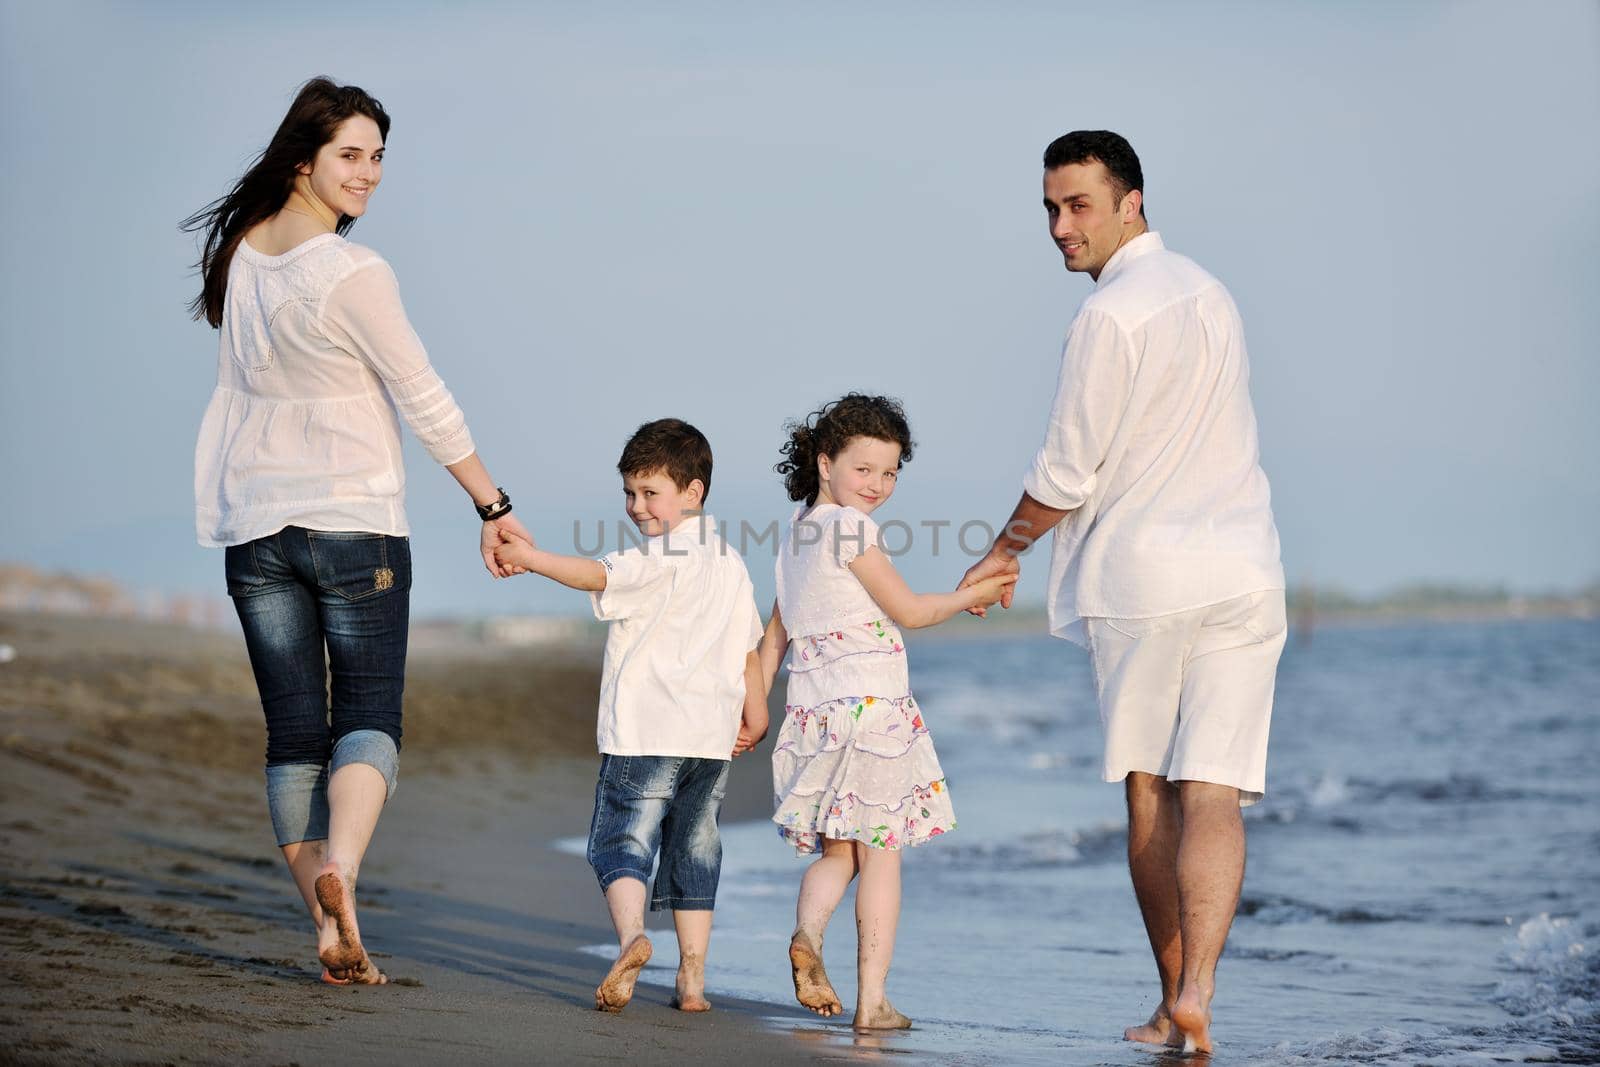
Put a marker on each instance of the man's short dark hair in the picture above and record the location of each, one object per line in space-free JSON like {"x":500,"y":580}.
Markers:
{"x":1111,"y":150}
{"x":670,"y":445}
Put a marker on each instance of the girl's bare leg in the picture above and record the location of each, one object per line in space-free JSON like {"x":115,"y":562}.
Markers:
{"x":821,"y":890}
{"x":877,"y":919}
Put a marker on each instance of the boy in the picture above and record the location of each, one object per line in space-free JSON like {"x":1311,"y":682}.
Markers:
{"x":680,"y":694}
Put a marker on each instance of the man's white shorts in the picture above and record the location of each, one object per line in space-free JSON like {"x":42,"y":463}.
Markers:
{"x":1189,"y":696}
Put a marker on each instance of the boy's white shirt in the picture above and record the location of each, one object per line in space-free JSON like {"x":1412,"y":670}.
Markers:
{"x":683,"y":619}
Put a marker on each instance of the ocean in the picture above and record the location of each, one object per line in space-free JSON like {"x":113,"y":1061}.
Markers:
{"x":1423,"y":882}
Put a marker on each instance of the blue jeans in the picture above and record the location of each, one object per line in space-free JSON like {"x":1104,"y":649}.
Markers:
{"x":325,"y":618}
{"x":671,"y":801}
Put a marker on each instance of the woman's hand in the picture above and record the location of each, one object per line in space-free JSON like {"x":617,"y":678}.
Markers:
{"x":506,"y":527}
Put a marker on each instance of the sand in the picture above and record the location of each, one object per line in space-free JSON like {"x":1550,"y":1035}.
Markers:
{"x":146,"y":917}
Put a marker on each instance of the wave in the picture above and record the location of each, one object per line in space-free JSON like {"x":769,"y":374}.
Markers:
{"x":1339,"y":801}
{"x":1048,"y":848}
{"x":1550,"y":986}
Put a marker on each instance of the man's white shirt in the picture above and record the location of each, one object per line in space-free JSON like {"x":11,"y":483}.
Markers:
{"x":1152,"y":446}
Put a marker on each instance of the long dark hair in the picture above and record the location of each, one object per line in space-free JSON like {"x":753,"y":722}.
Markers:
{"x":318,"y":110}
{"x":826,"y":432}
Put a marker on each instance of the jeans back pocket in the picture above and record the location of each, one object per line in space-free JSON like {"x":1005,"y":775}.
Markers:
{"x":243,"y":574}
{"x":359,"y":566}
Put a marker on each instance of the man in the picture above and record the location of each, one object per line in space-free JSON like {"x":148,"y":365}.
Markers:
{"x":1165,"y":563}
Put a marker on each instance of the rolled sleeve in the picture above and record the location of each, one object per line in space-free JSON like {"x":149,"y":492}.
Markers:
{"x":363,"y":315}
{"x":632,"y":578}
{"x":1098,"y":366}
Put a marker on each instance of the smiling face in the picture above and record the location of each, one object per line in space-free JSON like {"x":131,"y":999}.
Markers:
{"x":862,"y":476}
{"x":347,"y":169}
{"x":1087,"y":222}
{"x":656,"y":504}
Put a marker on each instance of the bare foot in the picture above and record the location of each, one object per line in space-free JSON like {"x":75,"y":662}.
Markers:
{"x":691,"y":988}
{"x":1191,"y":1018}
{"x":1158,"y":1031}
{"x":881,"y":1017}
{"x":615,"y":992}
{"x":811,"y":986}
{"x":690,"y":1002}
{"x":346,"y":961}
{"x":327,"y":976}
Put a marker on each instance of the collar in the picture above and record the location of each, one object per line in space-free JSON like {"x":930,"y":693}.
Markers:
{"x":691,"y":529}
{"x":1144,"y":244}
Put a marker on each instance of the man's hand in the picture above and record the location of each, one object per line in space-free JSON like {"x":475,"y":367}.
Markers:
{"x":505,"y":529}
{"x":997,"y":562}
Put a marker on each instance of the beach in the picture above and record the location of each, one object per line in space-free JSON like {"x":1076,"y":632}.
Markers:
{"x":146,"y":916}
{"x":1420,"y":887}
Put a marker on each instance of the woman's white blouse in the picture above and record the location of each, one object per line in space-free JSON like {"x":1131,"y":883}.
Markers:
{"x":317,"y":361}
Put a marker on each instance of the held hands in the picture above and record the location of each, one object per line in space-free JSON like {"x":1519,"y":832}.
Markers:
{"x":995,"y":574}
{"x":506,"y":546}
{"x":747,"y":739}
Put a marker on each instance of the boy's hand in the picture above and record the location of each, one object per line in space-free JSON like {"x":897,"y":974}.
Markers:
{"x":746,"y":740}
{"x":495,"y":532}
{"x":513,"y":555}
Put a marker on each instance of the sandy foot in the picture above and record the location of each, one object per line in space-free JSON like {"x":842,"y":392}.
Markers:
{"x":882,"y":1017}
{"x":811,"y":986}
{"x":1158,"y":1031}
{"x":617,"y":989}
{"x":345,"y":960}
{"x":691,"y":986}
{"x":690,"y":1002}
{"x":1191,"y":1018}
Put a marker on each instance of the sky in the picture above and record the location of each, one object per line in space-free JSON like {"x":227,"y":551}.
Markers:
{"x":605,"y":214}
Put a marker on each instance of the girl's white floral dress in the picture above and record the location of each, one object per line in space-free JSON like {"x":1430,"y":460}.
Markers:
{"x":854,"y":759}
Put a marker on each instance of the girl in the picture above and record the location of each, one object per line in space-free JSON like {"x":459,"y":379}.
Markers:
{"x":298,"y":477}
{"x":853,"y":770}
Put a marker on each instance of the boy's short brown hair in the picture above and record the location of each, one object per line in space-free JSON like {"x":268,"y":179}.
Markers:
{"x":670,"y":445}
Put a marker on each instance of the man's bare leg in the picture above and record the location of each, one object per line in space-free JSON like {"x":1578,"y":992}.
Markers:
{"x":1154,"y":825}
{"x":821,"y":889}
{"x":1210,"y":873}
{"x":694,"y":937}
{"x":356,"y":795}
{"x":625,"y":899}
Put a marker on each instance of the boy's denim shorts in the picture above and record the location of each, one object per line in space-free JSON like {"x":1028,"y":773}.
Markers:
{"x":671,"y":802}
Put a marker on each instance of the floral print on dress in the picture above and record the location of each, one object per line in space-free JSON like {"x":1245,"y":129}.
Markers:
{"x":854,"y":759}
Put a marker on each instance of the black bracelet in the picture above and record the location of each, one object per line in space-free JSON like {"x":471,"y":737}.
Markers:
{"x":493,"y":510}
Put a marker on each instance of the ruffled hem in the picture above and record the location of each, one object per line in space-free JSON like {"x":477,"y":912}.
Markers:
{"x":923,"y":814}
{"x":874,"y":779}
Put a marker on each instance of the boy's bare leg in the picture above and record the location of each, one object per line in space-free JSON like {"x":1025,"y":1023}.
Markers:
{"x":877,"y":919}
{"x":356,"y":794}
{"x":1154,"y":825}
{"x":625,"y":898}
{"x":1210,"y":872}
{"x":821,"y":889}
{"x":694,"y":938}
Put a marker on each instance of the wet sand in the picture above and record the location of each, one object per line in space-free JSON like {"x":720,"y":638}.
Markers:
{"x":146,"y":916}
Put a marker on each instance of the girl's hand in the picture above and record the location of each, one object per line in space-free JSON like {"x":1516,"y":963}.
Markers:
{"x":987,"y":567}
{"x":989,"y":591}
{"x":747,"y":740}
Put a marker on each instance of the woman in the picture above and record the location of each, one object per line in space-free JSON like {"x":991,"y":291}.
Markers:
{"x":298,"y":476}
